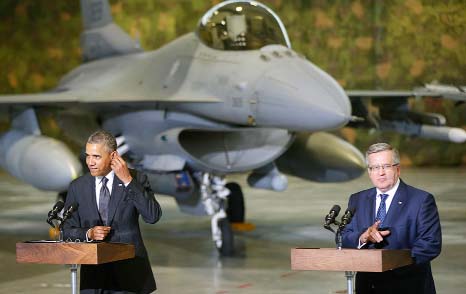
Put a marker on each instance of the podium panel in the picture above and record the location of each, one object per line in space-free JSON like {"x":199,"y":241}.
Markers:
{"x":72,"y":253}
{"x":363,"y":260}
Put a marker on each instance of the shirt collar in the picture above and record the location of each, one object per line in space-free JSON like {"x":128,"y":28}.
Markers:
{"x":109,"y":176}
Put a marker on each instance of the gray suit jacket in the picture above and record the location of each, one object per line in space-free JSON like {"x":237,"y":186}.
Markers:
{"x":125,"y":206}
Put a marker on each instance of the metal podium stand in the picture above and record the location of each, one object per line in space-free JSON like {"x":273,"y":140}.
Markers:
{"x":72,"y":254}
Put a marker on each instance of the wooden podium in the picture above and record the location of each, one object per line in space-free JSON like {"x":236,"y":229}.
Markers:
{"x":349,"y":260}
{"x":364,"y":260}
{"x":72,"y":254}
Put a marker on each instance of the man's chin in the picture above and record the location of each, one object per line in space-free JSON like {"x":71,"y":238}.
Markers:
{"x":384,"y":188}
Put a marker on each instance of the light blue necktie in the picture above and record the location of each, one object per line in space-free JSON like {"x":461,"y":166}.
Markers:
{"x":382,"y":211}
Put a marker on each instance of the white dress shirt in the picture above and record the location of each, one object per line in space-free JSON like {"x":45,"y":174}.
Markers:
{"x":98,"y":185}
{"x":388,"y":201}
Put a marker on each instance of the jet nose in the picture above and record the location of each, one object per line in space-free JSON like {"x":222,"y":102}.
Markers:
{"x":299,"y":96}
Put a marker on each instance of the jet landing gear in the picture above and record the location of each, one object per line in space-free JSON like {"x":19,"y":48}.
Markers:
{"x":214,"y":195}
{"x":236,"y":209}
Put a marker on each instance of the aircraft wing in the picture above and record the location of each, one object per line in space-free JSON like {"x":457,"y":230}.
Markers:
{"x":390,"y":111}
{"x":429,"y":90}
{"x":379,"y":93}
{"x":40,"y":98}
{"x":72,"y":96}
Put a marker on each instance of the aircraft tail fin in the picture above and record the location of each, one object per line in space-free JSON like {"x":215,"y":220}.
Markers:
{"x":101,"y":37}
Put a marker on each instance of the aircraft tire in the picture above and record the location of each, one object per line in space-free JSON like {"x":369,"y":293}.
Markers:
{"x":235,"y":209}
{"x":227,"y":248}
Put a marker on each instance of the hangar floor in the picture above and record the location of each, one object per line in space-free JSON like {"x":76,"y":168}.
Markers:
{"x":183,"y":257}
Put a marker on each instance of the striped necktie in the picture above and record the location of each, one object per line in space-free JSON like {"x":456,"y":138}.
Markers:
{"x":104,"y":199}
{"x":382,"y":211}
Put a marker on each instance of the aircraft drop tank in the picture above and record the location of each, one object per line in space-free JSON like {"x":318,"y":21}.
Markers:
{"x":40,"y":161}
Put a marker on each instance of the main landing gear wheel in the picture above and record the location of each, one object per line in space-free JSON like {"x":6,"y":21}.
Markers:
{"x":235,"y":208}
{"x":227,"y":247}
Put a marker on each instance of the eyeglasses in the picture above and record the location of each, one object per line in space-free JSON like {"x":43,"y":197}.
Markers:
{"x":377,"y":168}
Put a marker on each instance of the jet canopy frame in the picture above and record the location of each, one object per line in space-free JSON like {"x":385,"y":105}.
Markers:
{"x":241,"y":25}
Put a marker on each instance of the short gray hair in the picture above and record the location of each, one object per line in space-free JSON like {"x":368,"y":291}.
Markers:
{"x":103,"y":137}
{"x":379,"y":147}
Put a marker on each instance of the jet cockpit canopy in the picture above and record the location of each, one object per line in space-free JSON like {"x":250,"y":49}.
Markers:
{"x":241,"y":25}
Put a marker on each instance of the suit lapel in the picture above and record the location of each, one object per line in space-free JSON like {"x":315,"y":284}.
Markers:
{"x":370,"y":208}
{"x":91,"y":191}
{"x":397,"y":204}
{"x":118,"y":192}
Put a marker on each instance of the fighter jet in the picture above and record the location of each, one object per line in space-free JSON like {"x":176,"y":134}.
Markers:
{"x":231,"y":97}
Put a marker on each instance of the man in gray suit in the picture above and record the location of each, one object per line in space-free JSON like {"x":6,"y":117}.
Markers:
{"x":110,"y":199}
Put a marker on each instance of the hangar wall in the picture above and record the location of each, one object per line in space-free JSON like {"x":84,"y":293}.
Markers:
{"x":363,"y":44}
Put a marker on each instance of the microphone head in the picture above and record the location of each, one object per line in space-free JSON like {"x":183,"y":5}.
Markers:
{"x":350,"y":211}
{"x":72,"y":208}
{"x":330,"y":217}
{"x":336,"y":208}
{"x":54,"y":212}
{"x":58,"y":206}
{"x":346,"y":218}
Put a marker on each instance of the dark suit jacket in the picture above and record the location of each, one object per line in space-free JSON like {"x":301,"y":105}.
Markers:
{"x":125,"y":206}
{"x":414,"y":224}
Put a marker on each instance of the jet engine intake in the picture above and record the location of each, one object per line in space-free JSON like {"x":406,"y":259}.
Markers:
{"x":235,"y":150}
{"x":172,"y":140}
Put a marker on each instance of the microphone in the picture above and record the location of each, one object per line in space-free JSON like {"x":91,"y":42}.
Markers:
{"x":330,"y":217}
{"x":69,"y":211}
{"x":54,"y":212}
{"x":346,"y":218}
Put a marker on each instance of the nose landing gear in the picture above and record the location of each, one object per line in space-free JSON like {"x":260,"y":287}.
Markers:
{"x":214,"y":197}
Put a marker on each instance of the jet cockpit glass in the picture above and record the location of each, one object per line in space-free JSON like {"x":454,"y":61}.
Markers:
{"x":241,"y":25}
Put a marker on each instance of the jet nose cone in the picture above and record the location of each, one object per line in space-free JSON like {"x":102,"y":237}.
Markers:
{"x":300,"y":96}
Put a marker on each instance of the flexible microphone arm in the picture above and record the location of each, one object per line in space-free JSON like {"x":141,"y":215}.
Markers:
{"x":346,"y":218}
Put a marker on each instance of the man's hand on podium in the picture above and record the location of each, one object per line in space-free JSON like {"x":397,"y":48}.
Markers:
{"x":373,"y":234}
{"x":98,"y":233}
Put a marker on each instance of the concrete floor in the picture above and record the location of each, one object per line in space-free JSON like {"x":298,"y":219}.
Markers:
{"x":183,"y":257}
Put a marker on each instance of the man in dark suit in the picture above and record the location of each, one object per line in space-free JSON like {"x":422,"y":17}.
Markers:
{"x":110,"y":200}
{"x":394,"y":215}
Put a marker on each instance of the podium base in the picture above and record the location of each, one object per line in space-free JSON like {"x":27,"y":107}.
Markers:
{"x":74,"y":278}
{"x":349,"y":281}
